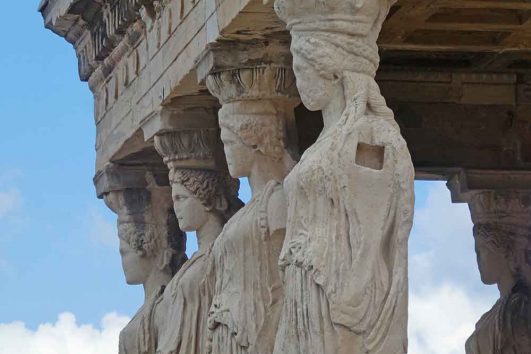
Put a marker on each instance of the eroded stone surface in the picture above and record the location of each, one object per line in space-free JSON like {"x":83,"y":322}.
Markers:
{"x":205,"y":196}
{"x":501,"y":212}
{"x":151,"y":244}
{"x":350,"y":198}
{"x":346,"y":208}
{"x":257,"y":105}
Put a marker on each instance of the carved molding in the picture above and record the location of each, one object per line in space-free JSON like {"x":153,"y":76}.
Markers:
{"x":96,"y":28}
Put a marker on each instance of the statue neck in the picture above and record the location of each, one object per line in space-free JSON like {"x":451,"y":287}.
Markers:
{"x":207,"y":234}
{"x":335,"y":108}
{"x":506,"y":284}
{"x":156,"y":279}
{"x":264,"y":170}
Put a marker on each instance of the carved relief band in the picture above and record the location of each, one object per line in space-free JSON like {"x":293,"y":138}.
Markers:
{"x":350,"y":198}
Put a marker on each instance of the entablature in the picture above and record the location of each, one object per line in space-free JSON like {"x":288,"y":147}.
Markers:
{"x":454,"y":72}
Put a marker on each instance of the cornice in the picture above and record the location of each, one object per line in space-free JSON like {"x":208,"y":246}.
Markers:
{"x":96,"y":28}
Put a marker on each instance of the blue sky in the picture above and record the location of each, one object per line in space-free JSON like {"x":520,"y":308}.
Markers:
{"x":50,"y":262}
{"x":58,"y":252}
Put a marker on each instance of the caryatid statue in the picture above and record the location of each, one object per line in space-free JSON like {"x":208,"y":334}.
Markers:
{"x":256,"y":119}
{"x":502,"y":232}
{"x":351,"y":197}
{"x":152,"y":246}
{"x":205,"y":196}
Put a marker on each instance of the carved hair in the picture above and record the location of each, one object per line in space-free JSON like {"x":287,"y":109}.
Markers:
{"x":216,"y":191}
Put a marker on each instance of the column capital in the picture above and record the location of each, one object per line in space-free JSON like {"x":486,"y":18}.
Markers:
{"x":243,"y":54}
{"x":265,"y":82}
{"x":114,"y":177}
{"x":185,"y":132}
{"x":494,"y":196}
{"x":189,"y":148}
{"x":182,"y":113}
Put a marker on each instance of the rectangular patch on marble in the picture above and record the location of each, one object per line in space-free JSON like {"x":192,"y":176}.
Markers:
{"x":370,"y":156}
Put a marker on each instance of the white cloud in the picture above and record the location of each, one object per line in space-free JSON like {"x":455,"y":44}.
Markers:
{"x":10,"y":202}
{"x":442,"y":318}
{"x":63,"y":337}
{"x":447,"y":297}
{"x":101,"y":230}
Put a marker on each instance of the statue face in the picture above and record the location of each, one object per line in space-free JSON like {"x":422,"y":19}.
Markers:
{"x":315,"y":91}
{"x":492,"y":265}
{"x":240,"y":157}
{"x":136,"y":265}
{"x":190,"y":212}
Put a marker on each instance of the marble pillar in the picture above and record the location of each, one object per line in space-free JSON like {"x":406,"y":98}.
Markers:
{"x":152,"y":246}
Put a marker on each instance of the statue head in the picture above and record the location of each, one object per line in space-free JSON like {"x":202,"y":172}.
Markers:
{"x":150,"y":237}
{"x":331,"y":39}
{"x":256,"y":119}
{"x":201,"y":194}
{"x":501,"y":252}
{"x":501,"y":230}
{"x":251,"y":129}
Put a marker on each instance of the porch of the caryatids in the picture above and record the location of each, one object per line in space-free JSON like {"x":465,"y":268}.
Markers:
{"x":258,"y":96}
{"x":152,"y":246}
{"x":500,"y":206}
{"x":185,"y":133}
{"x":351,"y":197}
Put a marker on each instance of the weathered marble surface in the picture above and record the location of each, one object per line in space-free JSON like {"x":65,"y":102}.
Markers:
{"x":204,"y":196}
{"x":204,"y":200}
{"x":500,"y":206}
{"x":247,"y":290}
{"x":151,"y":244}
{"x":502,"y":230}
{"x":339,"y":223}
{"x":350,"y":198}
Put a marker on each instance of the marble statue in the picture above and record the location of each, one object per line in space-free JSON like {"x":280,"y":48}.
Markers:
{"x":502,"y":234}
{"x":203,"y":201}
{"x":205,"y":196}
{"x":350,"y":198}
{"x":247,"y":290}
{"x":151,"y":246}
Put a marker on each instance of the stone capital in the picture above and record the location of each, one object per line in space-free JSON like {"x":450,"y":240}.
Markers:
{"x":189,"y":148}
{"x":194,"y":112}
{"x":494,"y":196}
{"x":249,"y":71}
{"x":185,"y":132}
{"x":220,"y":57}
{"x":257,"y":83}
{"x":115,"y":177}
